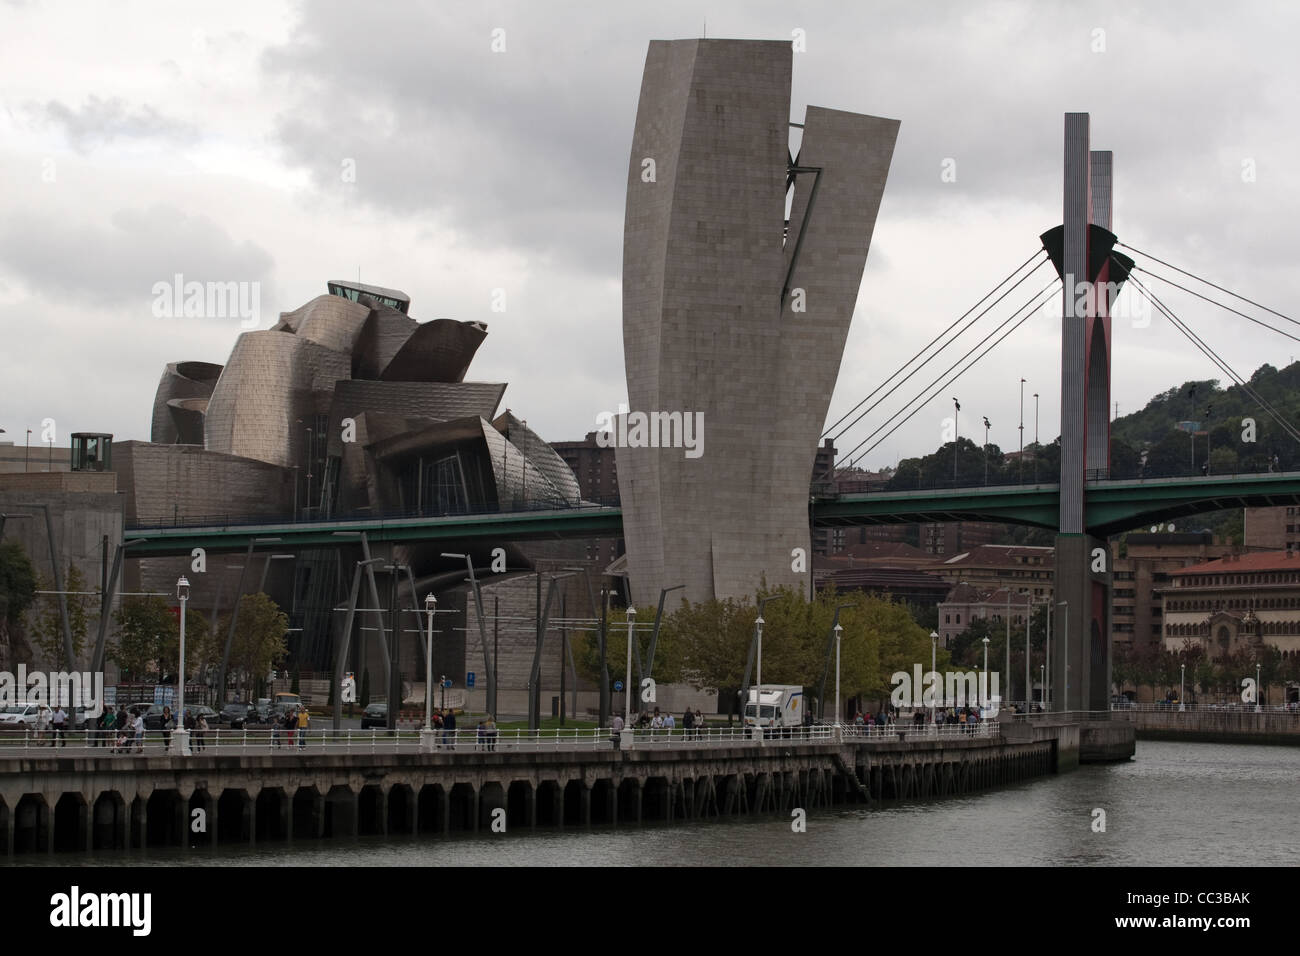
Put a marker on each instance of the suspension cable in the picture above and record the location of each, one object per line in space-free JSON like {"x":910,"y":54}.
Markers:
{"x":1212,"y":285}
{"x":1032,"y":305}
{"x":1228,"y":308}
{"x":1214,"y":357}
{"x":900,"y":369}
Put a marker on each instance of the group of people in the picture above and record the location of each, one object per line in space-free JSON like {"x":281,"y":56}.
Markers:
{"x":293,"y":723}
{"x":692,"y":722}
{"x":487,"y":735}
{"x":53,"y":723}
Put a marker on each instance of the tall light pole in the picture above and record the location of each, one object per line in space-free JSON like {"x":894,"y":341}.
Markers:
{"x":984,"y":689}
{"x":986,"y":449}
{"x":1047,"y":649}
{"x":1182,"y":678}
{"x":1007,"y":690}
{"x":934,"y":647}
{"x":1042,"y":686}
{"x":1022,"y":451}
{"x":426,"y":735}
{"x":758,"y":694}
{"x":1259,"y":691}
{"x":838,"y":629}
{"x":180,"y":742}
{"x":956,"y":415}
{"x":627,"y":675}
{"x":1036,"y":449}
{"x":1065,"y":657}
{"x":1029,"y":623}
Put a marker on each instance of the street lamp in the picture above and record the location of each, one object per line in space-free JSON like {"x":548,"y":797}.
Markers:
{"x":984,"y":689}
{"x":838,"y":629}
{"x":934,"y":647}
{"x":956,"y":415}
{"x":627,"y":675}
{"x":986,"y":449}
{"x":1182,"y":677}
{"x":1065,"y":657}
{"x":1258,"y":690}
{"x":1036,"y":449}
{"x":1022,"y":439}
{"x":180,"y":742}
{"x":426,"y":735}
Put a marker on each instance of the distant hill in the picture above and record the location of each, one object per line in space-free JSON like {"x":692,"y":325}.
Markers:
{"x":1150,"y":443}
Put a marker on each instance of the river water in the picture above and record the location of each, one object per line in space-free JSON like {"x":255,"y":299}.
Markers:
{"x":1175,"y":804}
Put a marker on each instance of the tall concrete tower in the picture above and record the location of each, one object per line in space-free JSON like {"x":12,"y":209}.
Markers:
{"x":733,"y":318}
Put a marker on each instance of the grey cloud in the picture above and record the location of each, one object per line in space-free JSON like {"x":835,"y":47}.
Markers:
{"x":119,"y":264}
{"x":101,"y":121}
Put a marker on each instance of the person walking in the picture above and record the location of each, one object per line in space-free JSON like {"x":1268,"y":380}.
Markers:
{"x":449,"y":729}
{"x":168,"y":725}
{"x":201,"y":731}
{"x":616,"y":725}
{"x":304,"y":719}
{"x":688,"y":724}
{"x":60,"y":722}
{"x":105,"y":736}
{"x":290,"y":722}
{"x":137,"y":726}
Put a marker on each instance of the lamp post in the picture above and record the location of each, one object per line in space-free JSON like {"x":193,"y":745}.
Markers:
{"x":934,"y":647}
{"x":984,"y":688}
{"x":1182,"y":677}
{"x":758,"y":694}
{"x":1065,"y":657}
{"x":180,"y":742}
{"x":955,"y":416}
{"x":1021,"y":479}
{"x":426,"y":735}
{"x":627,"y":675}
{"x":1029,"y":623}
{"x":1036,"y":438}
{"x":1042,"y":687}
{"x":1047,"y":649}
{"x":838,"y":629}
{"x":986,"y":449}
{"x":1259,"y":691}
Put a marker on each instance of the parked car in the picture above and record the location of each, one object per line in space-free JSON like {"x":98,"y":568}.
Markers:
{"x":197,"y":710}
{"x":19,"y":716}
{"x":375,"y":715}
{"x":234,"y":715}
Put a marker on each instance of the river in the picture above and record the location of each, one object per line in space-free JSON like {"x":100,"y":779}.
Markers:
{"x":1175,"y":804}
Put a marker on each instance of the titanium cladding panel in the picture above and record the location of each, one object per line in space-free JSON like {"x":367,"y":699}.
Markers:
{"x":707,"y":330}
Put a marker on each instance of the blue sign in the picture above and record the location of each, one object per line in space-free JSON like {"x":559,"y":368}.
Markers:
{"x":469,"y":679}
{"x":447,"y":682}
{"x":618,"y":685}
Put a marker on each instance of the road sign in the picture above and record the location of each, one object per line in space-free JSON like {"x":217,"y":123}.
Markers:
{"x":618,"y":685}
{"x":447,"y":682}
{"x":469,"y":679}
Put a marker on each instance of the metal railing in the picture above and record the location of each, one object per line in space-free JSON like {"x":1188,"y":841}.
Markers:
{"x":1188,"y":707}
{"x":154,"y":743}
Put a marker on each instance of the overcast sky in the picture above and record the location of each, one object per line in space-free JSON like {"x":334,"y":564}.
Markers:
{"x":142,"y":140}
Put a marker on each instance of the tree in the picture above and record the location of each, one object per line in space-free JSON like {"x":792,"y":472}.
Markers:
{"x":146,"y":628}
{"x":259,"y":642}
{"x":17,"y":581}
{"x":47,"y":626}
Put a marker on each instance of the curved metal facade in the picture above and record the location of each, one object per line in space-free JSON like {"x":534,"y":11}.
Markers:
{"x":179,"y":380}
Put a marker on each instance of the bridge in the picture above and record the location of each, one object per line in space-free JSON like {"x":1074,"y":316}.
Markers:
{"x":1113,"y":506}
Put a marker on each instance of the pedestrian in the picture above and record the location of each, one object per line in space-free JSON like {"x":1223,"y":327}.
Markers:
{"x":669,"y":722}
{"x":491,"y":733}
{"x":289,"y":722}
{"x":137,"y":726}
{"x":168,"y":723}
{"x":304,"y":719}
{"x":106,"y":720}
{"x":480,"y":740}
{"x":201,"y":731}
{"x":276,"y":723}
{"x":60,"y":722}
{"x":449,"y":729}
{"x":688,"y":724}
{"x":616,"y":725}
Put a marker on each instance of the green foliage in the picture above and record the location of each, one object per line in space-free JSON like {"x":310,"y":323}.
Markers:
{"x":259,"y":642}
{"x":17,"y":581}
{"x":47,"y":624}
{"x":707,"y":645}
{"x":146,"y":631}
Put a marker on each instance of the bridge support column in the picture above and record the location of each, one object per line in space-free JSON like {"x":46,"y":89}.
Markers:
{"x":1081,"y":627}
